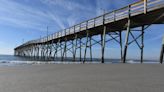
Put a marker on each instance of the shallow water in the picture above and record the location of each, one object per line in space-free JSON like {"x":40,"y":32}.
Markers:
{"x":10,"y":60}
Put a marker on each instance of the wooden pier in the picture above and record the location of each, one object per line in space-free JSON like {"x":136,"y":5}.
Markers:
{"x":108,"y":26}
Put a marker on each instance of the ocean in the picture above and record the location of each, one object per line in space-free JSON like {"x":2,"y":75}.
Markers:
{"x":10,"y":60}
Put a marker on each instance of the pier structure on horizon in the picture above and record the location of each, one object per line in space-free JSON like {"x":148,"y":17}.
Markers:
{"x":132,"y":19}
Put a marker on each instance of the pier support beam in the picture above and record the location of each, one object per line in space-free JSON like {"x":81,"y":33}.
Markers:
{"x":126,"y":41}
{"x":80,"y":49}
{"x":51,"y":50}
{"x":86,"y":46}
{"x":55,"y":52}
{"x":142,"y":43}
{"x":120,"y":34}
{"x":75,"y":48}
{"x":90,"y":46}
{"x":61,"y":50}
{"x":162,"y":52}
{"x":103,"y":41}
{"x":64,"y":52}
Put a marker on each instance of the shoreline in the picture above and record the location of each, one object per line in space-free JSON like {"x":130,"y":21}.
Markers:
{"x":68,"y":62}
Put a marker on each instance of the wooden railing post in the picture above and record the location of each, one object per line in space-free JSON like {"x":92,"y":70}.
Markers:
{"x":129,"y":11}
{"x":145,"y":6}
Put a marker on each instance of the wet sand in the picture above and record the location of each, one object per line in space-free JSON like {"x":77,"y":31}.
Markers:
{"x":82,"y":78}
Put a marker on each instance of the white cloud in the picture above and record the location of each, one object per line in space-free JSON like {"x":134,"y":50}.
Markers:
{"x":19,"y":15}
{"x":67,"y":4}
{"x":156,"y":38}
{"x":56,"y":19}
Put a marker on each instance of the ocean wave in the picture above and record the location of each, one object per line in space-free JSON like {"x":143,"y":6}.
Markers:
{"x":5,"y":62}
{"x":138,"y":62}
{"x":45,"y":62}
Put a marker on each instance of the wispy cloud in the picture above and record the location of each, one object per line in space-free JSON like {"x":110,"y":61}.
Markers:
{"x":67,"y":4}
{"x":155,"y":38}
{"x":17,"y":14}
{"x":56,"y":19}
{"x":71,"y":11}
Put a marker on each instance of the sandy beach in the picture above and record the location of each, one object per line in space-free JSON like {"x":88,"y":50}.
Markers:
{"x":82,"y":78}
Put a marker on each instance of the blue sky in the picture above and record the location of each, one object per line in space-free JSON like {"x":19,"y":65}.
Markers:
{"x":27,"y":19}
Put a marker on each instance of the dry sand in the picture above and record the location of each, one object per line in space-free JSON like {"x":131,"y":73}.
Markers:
{"x":83,"y":78}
